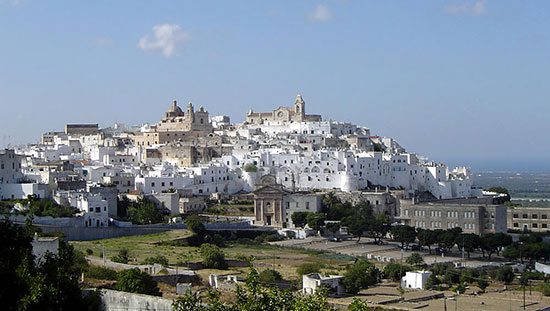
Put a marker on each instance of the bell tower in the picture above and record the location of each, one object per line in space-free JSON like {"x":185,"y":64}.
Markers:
{"x":299,"y":109}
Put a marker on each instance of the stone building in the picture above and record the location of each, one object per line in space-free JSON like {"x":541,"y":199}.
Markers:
{"x":283,"y":114}
{"x":274,"y":205}
{"x":472,"y":218}
{"x":536,"y":219}
{"x":82,"y":129}
{"x":176,"y":125}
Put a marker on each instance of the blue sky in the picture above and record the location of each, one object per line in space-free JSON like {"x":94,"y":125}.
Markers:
{"x":465,"y":82}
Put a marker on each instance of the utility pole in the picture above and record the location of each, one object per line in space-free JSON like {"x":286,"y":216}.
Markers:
{"x":103,"y":247}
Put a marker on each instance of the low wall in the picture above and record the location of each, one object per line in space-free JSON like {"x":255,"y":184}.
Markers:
{"x":121,"y":301}
{"x":173,"y":279}
{"x":87,"y":234}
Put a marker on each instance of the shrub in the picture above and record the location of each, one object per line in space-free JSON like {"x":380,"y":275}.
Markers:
{"x":545,"y":289}
{"x":270,"y":276}
{"x":395,"y":271}
{"x":101,"y":273}
{"x":89,"y":252}
{"x":360,"y":275}
{"x":212,"y":257}
{"x":122,"y":256}
{"x":307,"y":268}
{"x":505,"y":274}
{"x":250,"y":168}
{"x":136,"y":281}
{"x":159,"y":259}
{"x":415,"y":259}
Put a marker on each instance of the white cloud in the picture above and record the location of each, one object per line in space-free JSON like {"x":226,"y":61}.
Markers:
{"x":166,"y":37}
{"x":321,"y":14}
{"x":477,"y":8}
{"x":102,"y":41}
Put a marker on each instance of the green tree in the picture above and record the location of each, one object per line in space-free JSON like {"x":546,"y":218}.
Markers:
{"x":270,"y":276}
{"x":308,"y":267}
{"x":415,"y":259}
{"x":505,"y":274}
{"x":427,"y":238}
{"x":158,"y":259}
{"x":358,"y":305}
{"x":299,"y":219}
{"x":360,"y":275}
{"x":469,"y":241}
{"x":136,"y":281}
{"x":395,"y":271}
{"x":403,"y":234}
{"x":122,"y":257}
{"x":212,"y":257}
{"x":250,"y":168}
{"x":333,"y":227}
{"x":432,"y":281}
{"x":356,"y":226}
{"x":482,"y":283}
{"x":144,"y":212}
{"x":315,"y":221}
{"x":492,"y":242}
{"x":378,"y":227}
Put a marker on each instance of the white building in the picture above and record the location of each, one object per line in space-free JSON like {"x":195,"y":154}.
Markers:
{"x":312,"y":281}
{"x":415,"y":279}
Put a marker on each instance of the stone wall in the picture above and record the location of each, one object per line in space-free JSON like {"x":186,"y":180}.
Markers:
{"x":121,"y":301}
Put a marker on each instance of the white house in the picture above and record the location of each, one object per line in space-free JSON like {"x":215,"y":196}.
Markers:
{"x":415,"y":279}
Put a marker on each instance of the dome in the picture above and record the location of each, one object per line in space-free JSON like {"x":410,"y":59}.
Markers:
{"x":174,"y":111}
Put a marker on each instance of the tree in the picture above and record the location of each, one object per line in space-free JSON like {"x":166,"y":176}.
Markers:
{"x":415,"y":259}
{"x":482,"y":283}
{"x":122,"y":256}
{"x":427,"y":238}
{"x":315,"y":221}
{"x":158,"y":259}
{"x":432,"y":281}
{"x":378,"y":227}
{"x":403,"y":234}
{"x":395,"y":271}
{"x":446,"y":239}
{"x":356,"y":226}
{"x":270,"y":276}
{"x":470,"y":242}
{"x":250,"y":168}
{"x":307,"y":268}
{"x":360,"y":275}
{"x":505,"y":274}
{"x":501,"y":190}
{"x":358,"y":305}
{"x":299,"y":219}
{"x":212,"y":257}
{"x":144,"y":212}
{"x":333,"y":227}
{"x":136,"y":281}
{"x":491,"y":242}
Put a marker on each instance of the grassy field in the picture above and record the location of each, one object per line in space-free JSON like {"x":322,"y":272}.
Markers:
{"x":285,"y":260}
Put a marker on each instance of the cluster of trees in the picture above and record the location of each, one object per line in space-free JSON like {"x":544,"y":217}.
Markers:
{"x":314,"y":220}
{"x":39,"y":207}
{"x":51,"y":284}
{"x":142,"y":212}
{"x":445,"y":273}
{"x":530,"y":246}
{"x":446,"y":239}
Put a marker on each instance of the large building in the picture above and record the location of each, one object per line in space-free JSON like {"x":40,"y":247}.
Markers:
{"x":274,"y":206}
{"x":283,"y":114}
{"x":536,"y":219}
{"x":472,"y":217}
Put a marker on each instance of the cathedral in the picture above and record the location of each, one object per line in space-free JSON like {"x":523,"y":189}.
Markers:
{"x":176,"y":120}
{"x":283,"y":114}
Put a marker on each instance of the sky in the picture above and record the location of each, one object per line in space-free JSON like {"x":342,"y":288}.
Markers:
{"x":462,"y":82}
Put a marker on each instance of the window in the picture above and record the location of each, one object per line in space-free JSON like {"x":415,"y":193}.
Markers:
{"x":534,"y":216}
{"x":544,"y":225}
{"x":516,"y":215}
{"x":524,"y":216}
{"x":152,"y":184}
{"x":543,"y":216}
{"x":162,"y":184}
{"x":307,"y":205}
{"x":535,"y":225}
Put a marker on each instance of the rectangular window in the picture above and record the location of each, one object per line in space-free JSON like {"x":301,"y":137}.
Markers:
{"x":516,"y":225}
{"x":152,"y":184}
{"x":516,"y":215}
{"x":544,"y":225}
{"x":525,"y":216}
{"x":543,"y":216}
{"x":535,"y":225}
{"x":534,"y":216}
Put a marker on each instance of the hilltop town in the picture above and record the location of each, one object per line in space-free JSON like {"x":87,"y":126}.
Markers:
{"x":285,"y":181}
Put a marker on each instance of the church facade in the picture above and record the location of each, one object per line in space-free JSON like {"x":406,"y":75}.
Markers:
{"x":283,"y":114}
